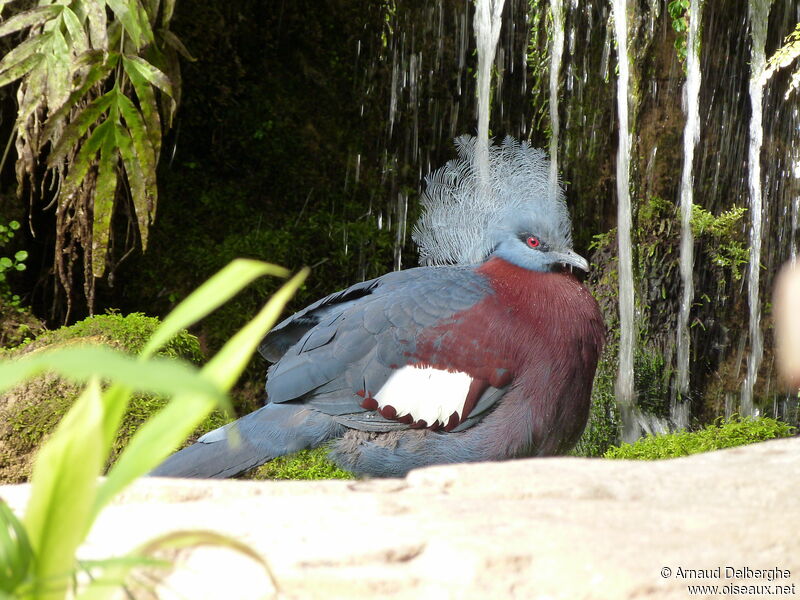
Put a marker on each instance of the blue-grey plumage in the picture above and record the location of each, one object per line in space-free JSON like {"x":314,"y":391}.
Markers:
{"x":489,"y":358}
{"x":272,"y":430}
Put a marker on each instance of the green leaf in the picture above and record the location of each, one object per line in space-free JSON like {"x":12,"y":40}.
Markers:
{"x":115,"y":32}
{"x":143,"y":200}
{"x":78,"y":127}
{"x":135,"y":65}
{"x":109,"y":576}
{"x":96,"y":15}
{"x":144,"y":20}
{"x":104,"y":193}
{"x":167,"y":12}
{"x":162,"y":376}
{"x":31,"y":94}
{"x":228,"y":364}
{"x":178,"y":540}
{"x":154,"y":441}
{"x":80,"y":43}
{"x":147,"y":102}
{"x":21,"y":255}
{"x":6,"y":262}
{"x":142,"y":144}
{"x":30,"y":18}
{"x":58,"y":69}
{"x":99,"y":66}
{"x":151,"y":8}
{"x":116,"y":399}
{"x":14,"y":225}
{"x":23,"y":58}
{"x":212,"y":294}
{"x":63,"y":492}
{"x":16,"y":554}
{"x":128,"y":16}
{"x":127,"y":12}
{"x":85,"y":158}
{"x":116,"y":572}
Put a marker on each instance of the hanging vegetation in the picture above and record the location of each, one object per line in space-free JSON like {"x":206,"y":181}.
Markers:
{"x":98,"y":81}
{"x":784,"y":57}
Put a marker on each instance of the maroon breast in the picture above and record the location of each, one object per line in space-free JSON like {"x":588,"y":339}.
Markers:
{"x":544,"y":331}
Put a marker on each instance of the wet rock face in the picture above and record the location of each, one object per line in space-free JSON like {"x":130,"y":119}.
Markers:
{"x":561,"y":528}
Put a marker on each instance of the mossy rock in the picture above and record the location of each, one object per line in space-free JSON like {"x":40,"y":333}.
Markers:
{"x":29,"y":412}
{"x":129,"y":333}
{"x":721,"y":434}
{"x":306,"y":464}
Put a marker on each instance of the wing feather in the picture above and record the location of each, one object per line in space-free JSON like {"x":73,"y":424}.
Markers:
{"x":342,"y":350}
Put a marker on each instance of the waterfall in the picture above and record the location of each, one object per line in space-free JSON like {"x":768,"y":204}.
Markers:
{"x":488,"y":19}
{"x":556,"y":52}
{"x":624,"y":384}
{"x":691,"y":135}
{"x":758,"y":13}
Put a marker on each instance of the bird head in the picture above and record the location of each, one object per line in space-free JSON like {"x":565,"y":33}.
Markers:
{"x":536,"y":243}
{"x":511,"y":210}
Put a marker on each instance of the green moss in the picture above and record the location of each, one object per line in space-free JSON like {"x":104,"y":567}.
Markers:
{"x":128,"y":332}
{"x":30,"y":412}
{"x":722,"y":434}
{"x":306,"y":464}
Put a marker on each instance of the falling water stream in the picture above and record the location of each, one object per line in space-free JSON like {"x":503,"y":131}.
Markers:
{"x":624,"y":385}
{"x":488,"y":19}
{"x":556,"y":52}
{"x":758,"y":12}
{"x":691,"y":135}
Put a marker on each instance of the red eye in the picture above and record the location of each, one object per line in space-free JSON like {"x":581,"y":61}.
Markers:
{"x":533,"y":242}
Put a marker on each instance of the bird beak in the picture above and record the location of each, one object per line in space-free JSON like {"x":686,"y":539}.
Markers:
{"x":571,"y":259}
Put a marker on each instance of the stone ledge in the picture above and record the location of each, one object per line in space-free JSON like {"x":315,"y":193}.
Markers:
{"x":557,"y":528}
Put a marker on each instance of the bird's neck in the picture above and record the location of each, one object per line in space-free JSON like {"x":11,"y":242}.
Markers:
{"x":552,"y":311}
{"x":552,"y":332}
{"x":522,"y":287}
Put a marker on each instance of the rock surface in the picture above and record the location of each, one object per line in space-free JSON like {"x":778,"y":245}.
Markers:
{"x":534,"y":529}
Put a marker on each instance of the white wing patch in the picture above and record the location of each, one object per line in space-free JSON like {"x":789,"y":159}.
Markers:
{"x":425,"y":393}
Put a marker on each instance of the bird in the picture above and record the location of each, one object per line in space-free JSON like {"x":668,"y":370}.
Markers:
{"x":485,"y":352}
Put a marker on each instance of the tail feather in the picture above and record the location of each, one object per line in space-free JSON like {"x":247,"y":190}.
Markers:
{"x":269,"y":432}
